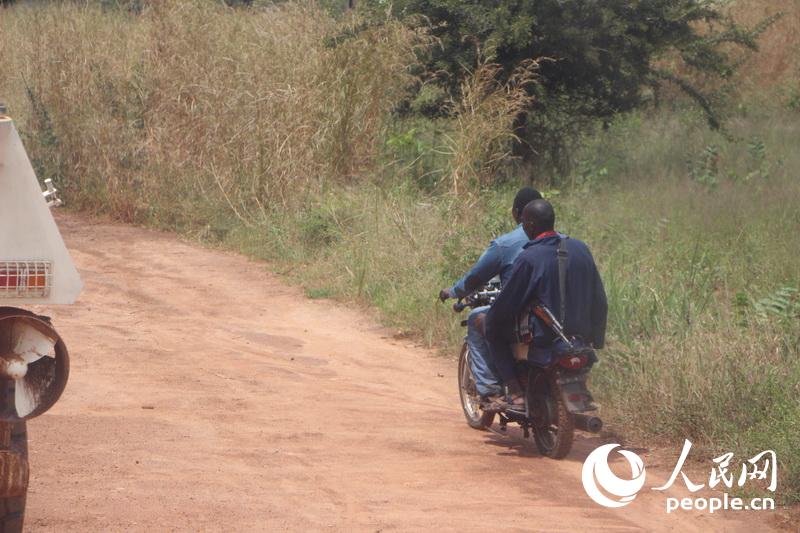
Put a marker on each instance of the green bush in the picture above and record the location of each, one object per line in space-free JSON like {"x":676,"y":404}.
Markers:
{"x":597,"y":59}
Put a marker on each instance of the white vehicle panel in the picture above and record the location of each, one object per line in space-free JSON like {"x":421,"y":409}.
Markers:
{"x":28,"y":232}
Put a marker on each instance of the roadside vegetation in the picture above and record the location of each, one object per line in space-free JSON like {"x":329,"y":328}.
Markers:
{"x":291,"y":135}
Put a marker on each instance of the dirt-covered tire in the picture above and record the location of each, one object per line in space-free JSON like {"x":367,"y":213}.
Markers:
{"x":12,"y":509}
{"x":470,"y":400}
{"x":553,"y":424}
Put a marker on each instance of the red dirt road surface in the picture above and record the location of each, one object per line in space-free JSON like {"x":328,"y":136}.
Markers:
{"x":206,"y":395}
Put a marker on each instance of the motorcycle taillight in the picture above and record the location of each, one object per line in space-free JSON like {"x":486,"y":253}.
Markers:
{"x":574,"y":362}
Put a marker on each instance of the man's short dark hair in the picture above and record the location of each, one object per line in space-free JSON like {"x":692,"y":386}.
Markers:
{"x":540,"y":214}
{"x":524,"y":196}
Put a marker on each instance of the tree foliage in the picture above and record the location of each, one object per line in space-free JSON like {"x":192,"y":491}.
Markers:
{"x":597,"y":57}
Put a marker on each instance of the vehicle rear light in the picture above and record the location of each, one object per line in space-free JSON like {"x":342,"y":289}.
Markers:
{"x":574,"y":362}
{"x":25,"y":279}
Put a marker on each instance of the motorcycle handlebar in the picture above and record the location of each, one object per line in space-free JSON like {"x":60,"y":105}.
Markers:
{"x":477,"y":299}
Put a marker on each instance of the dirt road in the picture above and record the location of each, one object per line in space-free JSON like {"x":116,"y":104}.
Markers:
{"x":205,"y":395}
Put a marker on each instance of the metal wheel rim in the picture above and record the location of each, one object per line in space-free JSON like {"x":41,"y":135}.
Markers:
{"x":470,"y":399}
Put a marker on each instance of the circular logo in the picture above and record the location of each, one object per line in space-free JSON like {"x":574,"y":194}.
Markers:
{"x":597,"y":475}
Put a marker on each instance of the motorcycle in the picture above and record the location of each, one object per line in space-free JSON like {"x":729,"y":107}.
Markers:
{"x":557,"y":399}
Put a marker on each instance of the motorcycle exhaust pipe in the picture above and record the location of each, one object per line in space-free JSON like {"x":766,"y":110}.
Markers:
{"x":592,"y":424}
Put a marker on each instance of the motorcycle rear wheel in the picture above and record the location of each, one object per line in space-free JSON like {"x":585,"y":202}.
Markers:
{"x":553,"y":424}
{"x":476,"y":417}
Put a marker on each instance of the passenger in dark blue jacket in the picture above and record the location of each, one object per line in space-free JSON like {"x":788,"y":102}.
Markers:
{"x":534,"y":278}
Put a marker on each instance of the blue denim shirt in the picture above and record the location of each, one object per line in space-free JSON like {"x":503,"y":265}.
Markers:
{"x":497,"y":260}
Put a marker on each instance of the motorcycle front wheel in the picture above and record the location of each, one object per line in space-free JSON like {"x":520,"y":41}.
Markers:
{"x":470,"y":399}
{"x":553,"y":424}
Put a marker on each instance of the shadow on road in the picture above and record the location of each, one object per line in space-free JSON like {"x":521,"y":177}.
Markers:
{"x":513,"y":442}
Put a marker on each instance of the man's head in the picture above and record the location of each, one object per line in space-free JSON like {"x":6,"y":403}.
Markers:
{"x":537,"y":217}
{"x":523,"y":197}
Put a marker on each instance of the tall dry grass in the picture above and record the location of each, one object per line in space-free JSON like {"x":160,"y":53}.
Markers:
{"x":482,"y":133}
{"x":191,"y":105}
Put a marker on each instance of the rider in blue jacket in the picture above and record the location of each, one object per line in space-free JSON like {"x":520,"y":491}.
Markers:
{"x":497,"y":260}
{"x":534,"y":279}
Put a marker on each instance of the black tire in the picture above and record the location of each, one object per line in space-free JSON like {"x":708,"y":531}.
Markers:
{"x":553,"y":424}
{"x":12,"y":509}
{"x":470,"y":400}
